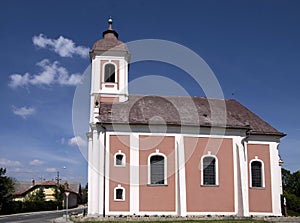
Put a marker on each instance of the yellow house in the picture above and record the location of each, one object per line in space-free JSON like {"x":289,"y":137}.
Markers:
{"x":49,"y":191}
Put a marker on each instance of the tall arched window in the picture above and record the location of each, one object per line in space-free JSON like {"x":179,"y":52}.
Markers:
{"x":110,"y":73}
{"x":257,"y":173}
{"x":157,"y":169}
{"x":209,"y":170}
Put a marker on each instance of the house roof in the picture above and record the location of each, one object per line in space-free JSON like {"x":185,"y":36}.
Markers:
{"x":184,"y":111}
{"x":24,"y":187}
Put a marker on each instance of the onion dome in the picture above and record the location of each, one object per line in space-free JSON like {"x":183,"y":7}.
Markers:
{"x":109,"y":43}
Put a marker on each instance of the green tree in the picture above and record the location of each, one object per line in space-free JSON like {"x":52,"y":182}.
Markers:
{"x":59,"y":195}
{"x":85,"y":194}
{"x":37,"y":196}
{"x":6,"y":188}
{"x":291,"y":190}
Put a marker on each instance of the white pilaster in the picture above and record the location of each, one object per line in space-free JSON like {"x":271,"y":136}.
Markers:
{"x":181,"y":187}
{"x":101,"y":148}
{"x":95,"y":158}
{"x":90,"y":173}
{"x":235,"y":174}
{"x":134,"y":173}
{"x":106,"y":171}
{"x":275,"y":179}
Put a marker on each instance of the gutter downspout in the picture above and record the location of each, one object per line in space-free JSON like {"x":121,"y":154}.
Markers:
{"x":242,"y":174}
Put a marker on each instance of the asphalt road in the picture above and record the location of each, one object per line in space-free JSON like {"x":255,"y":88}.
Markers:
{"x":36,"y":217}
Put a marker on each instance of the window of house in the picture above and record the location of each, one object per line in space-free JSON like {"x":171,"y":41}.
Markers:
{"x":120,"y":159}
{"x":110,"y":73}
{"x":119,"y":193}
{"x":256,"y":173}
{"x":157,"y":169}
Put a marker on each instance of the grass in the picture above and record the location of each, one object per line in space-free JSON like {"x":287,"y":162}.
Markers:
{"x":189,"y":221}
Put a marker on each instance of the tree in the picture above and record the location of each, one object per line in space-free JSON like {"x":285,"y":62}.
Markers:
{"x":85,"y":194}
{"x":38,"y":196}
{"x":291,"y":190}
{"x":6,"y":188}
{"x":59,"y":192}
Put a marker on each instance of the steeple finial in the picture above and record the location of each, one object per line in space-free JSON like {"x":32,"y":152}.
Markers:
{"x":110,"y":29}
{"x":110,"y":21}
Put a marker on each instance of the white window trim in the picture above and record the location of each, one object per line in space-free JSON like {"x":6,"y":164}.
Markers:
{"x":262,"y":173}
{"x":123,"y":160}
{"x":157,"y":153}
{"x":103,"y":72}
{"x":115,"y":193}
{"x":216,"y":168}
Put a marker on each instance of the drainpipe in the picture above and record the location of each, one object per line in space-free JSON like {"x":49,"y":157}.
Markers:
{"x":244,"y":187}
{"x":243,"y":142}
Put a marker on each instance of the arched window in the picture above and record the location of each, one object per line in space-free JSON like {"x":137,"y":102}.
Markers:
{"x":119,"y":159}
{"x":110,"y":73}
{"x":157,"y":168}
{"x":257,"y":177}
{"x":209,"y":170}
{"x":119,"y":193}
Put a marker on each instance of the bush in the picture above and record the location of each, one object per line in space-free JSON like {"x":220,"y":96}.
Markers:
{"x":13,"y":207}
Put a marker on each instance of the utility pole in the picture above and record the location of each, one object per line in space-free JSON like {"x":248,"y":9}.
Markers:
{"x":57,"y":178}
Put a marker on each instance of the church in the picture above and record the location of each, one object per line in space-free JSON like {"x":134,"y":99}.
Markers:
{"x":174,"y":155}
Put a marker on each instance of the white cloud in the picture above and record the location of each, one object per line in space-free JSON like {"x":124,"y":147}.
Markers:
{"x":51,"y":73}
{"x":77,"y":141}
{"x":9,"y":163}
{"x":24,"y":111}
{"x":19,"y":80}
{"x":50,"y":170}
{"x":62,"y":46}
{"x":36,"y":162}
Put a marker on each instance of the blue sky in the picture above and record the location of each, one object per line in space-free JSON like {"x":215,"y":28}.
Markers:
{"x":253,"y":47}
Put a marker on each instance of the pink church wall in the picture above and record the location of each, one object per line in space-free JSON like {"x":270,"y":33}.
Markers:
{"x":209,"y":198}
{"x":157,"y":198}
{"x":260,"y":199}
{"x":119,"y":175}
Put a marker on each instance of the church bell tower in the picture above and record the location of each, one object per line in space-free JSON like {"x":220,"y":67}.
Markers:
{"x":109,"y":84}
{"x":110,"y":58}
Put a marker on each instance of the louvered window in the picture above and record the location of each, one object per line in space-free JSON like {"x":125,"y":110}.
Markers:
{"x":109,"y":73}
{"x":209,"y":171}
{"x":157,"y":169}
{"x":256,"y":174}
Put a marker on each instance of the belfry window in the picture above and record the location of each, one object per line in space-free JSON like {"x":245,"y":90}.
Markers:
{"x":110,"y":73}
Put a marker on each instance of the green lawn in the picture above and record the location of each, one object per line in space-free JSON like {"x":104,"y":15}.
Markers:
{"x":189,"y":221}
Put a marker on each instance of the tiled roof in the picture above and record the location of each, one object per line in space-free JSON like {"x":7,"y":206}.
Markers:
{"x":109,"y":42}
{"x":22,"y":188}
{"x":184,"y":111}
